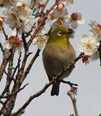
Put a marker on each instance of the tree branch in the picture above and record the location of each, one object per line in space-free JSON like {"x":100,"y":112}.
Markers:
{"x":32,"y":3}
{"x":25,"y":43}
{"x":6,"y":37}
{"x":2,"y":48}
{"x":18,"y":65}
{"x":33,"y":97}
{"x":74,"y":103}
{"x":2,"y":97}
{"x":69,"y":83}
{"x":6,"y":56}
{"x":30,"y":65}
{"x":44,"y":5}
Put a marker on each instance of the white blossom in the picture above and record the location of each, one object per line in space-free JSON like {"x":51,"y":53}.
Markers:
{"x":95,"y":29}
{"x":60,"y":11}
{"x":40,"y":39}
{"x":20,"y":17}
{"x":88,"y":45}
{"x":11,"y":17}
{"x":14,"y":42}
{"x":75,"y":19}
{"x":27,"y":24}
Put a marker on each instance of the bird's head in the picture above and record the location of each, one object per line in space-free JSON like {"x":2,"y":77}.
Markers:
{"x":60,"y":36}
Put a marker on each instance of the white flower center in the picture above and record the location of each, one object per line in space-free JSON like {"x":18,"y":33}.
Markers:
{"x":88,"y":45}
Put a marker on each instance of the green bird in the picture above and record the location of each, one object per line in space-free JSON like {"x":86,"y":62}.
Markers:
{"x":57,"y":54}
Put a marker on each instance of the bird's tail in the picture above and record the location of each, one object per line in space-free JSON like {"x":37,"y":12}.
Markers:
{"x":55,"y":89}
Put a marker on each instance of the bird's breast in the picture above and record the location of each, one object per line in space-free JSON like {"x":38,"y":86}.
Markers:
{"x":56,"y":58}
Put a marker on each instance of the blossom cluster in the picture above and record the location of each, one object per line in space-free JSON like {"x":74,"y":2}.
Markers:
{"x":59,"y":17}
{"x":90,"y":43}
{"x":20,"y":16}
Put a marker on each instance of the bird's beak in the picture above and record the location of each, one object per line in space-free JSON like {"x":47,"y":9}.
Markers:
{"x":67,"y":33}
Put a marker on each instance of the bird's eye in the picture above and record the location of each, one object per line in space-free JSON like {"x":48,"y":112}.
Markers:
{"x":59,"y":33}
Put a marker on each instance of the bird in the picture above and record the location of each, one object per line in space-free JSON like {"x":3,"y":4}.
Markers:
{"x":57,"y":54}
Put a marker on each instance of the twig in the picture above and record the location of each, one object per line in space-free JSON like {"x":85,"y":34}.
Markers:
{"x":99,"y":50}
{"x":32,"y":3}
{"x":2,"y":48}
{"x":10,"y":100}
{"x":79,"y":57}
{"x":2,"y":97}
{"x":6,"y":37}
{"x":25,"y":43}
{"x":21,"y":70}
{"x":11,"y":77}
{"x":18,"y":65}
{"x":74,"y":103}
{"x":1,"y":102}
{"x":69,"y":83}
{"x":30,"y":65}
{"x":27,"y":34}
{"x":44,"y":5}
{"x":33,"y":97}
{"x":6,"y":56}
{"x":8,"y":76}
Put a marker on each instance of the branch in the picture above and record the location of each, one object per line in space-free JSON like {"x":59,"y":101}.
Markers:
{"x":18,"y":65}
{"x":25,"y":43}
{"x":44,"y":5}
{"x":10,"y":101}
{"x":33,"y":97}
{"x":79,"y":57}
{"x":2,"y":48}
{"x":28,"y":33}
{"x":6,"y":37}
{"x":9,"y":75}
{"x":21,"y":70}
{"x":6,"y":56}
{"x":69,"y":83}
{"x":1,"y":97}
{"x":74,"y":103}
{"x":32,"y":3}
{"x":1,"y":102}
{"x":99,"y":50}
{"x":30,"y":65}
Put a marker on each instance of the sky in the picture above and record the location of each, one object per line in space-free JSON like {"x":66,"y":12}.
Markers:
{"x":88,"y":77}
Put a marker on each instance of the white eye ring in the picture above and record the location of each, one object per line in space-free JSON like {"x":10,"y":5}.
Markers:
{"x":59,"y":33}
